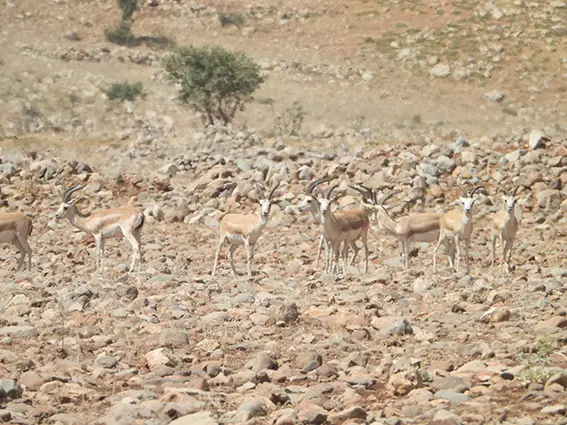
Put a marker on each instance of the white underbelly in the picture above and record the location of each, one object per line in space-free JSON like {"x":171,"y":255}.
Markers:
{"x":112,"y":232}
{"x":235,"y":239}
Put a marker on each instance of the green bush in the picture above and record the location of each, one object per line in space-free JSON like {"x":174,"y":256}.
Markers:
{"x":213,"y":80}
{"x":121,"y":34}
{"x":125,"y":91}
{"x":128,"y":8}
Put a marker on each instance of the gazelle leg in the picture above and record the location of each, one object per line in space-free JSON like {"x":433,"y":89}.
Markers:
{"x":138,"y":237}
{"x":231,"y":250}
{"x":250,"y":256}
{"x":217,"y":253}
{"x":507,"y":251}
{"x":366,"y":253}
{"x":458,"y":248}
{"x":20,"y":247}
{"x":135,"y":248}
{"x":98,"y":239}
{"x":437,"y":245}
{"x":321,"y":241}
{"x":355,"y":250}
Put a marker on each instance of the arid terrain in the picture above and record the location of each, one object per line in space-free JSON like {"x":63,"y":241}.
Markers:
{"x":413,"y":94}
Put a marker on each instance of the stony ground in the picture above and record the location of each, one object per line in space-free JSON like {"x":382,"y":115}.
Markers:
{"x":419,"y":95}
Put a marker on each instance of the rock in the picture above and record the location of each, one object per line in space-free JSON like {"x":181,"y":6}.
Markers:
{"x":556,"y":409}
{"x":174,"y":338}
{"x":444,"y":417}
{"x":31,"y":381}
{"x":201,"y":418}
{"x":262,"y":361}
{"x":11,"y":388}
{"x":169,"y":170}
{"x":401,"y":327}
{"x":440,"y":70}
{"x":554,"y":323}
{"x":308,"y":360}
{"x":107,"y":361}
{"x":496,"y":315}
{"x":24,"y":332}
{"x":402,"y":383}
{"x":160,"y":357}
{"x":494,"y":96}
{"x":367,"y":76}
{"x":251,"y":409}
{"x":354,"y":412}
{"x":451,"y":396}
{"x":71,"y":35}
{"x":537,"y":139}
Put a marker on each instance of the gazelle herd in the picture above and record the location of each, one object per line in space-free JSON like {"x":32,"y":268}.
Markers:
{"x":340,"y":228}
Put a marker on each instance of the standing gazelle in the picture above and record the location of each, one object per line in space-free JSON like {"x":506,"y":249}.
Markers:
{"x":422,"y":227}
{"x":504,"y":226}
{"x":239,"y":229}
{"x":15,"y":228}
{"x":311,"y":203}
{"x":124,"y":222}
{"x":458,"y":225}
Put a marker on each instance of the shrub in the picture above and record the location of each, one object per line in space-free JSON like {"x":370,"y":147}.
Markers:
{"x":121,"y":35}
{"x":213,"y":80}
{"x":125,"y":91}
{"x":233,"y":18}
{"x":291,"y":121}
{"x":128,"y":8}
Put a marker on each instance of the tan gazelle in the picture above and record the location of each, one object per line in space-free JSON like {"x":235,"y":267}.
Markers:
{"x":504,"y":226}
{"x":120,"y":222}
{"x":244,"y":229}
{"x":15,"y":227}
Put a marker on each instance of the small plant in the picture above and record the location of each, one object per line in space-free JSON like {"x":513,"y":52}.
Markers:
{"x":291,"y":121}
{"x":536,"y":371}
{"x":125,"y":91}
{"x":214,"y":81}
{"x":121,"y":35}
{"x":233,"y":18}
{"x":128,"y":8}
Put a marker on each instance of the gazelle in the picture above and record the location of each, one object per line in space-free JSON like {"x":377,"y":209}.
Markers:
{"x":422,"y":227}
{"x":341,"y":228}
{"x":311,"y":203}
{"x":244,"y":229}
{"x":120,"y":222}
{"x":504,"y":226}
{"x":458,"y":226}
{"x":15,"y":228}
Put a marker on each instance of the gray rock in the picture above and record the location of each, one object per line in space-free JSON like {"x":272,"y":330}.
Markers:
{"x":173,"y":338}
{"x":440,"y":70}
{"x":201,"y":418}
{"x":107,"y":361}
{"x":24,"y":332}
{"x":401,"y":327}
{"x":11,"y":388}
{"x":537,"y":139}
{"x":452,"y":396}
{"x":494,"y":96}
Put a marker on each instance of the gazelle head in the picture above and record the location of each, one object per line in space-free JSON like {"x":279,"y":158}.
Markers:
{"x":326,"y":201}
{"x":509,"y":198}
{"x":311,"y":200}
{"x":66,"y":209}
{"x":370,"y":199}
{"x":265,"y":201}
{"x":468,"y":199}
